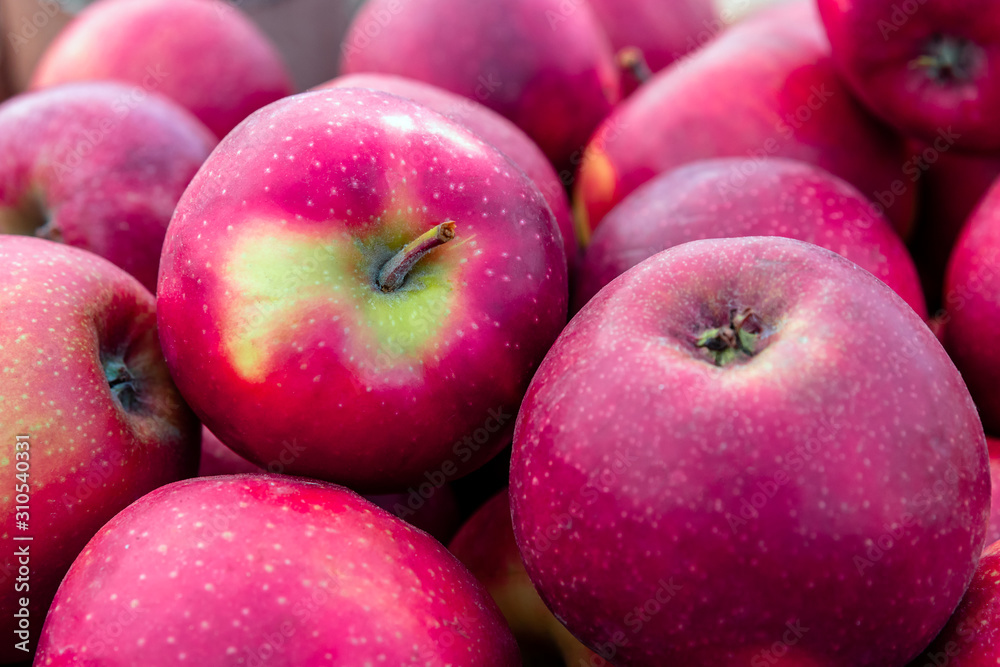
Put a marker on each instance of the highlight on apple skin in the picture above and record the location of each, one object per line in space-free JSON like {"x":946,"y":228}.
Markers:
{"x":98,"y":166}
{"x":734,"y":197}
{"x":755,"y":433}
{"x":206,"y":56}
{"x":266,"y":569}
{"x":90,"y":419}
{"x":492,"y":127}
{"x":355,"y":250}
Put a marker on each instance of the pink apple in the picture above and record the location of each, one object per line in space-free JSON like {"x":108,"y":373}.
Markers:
{"x":486,"y":546}
{"x":378,"y":276}
{"x":544,"y":64}
{"x":765,"y":88}
{"x":662,"y":30}
{"x":922,"y":65}
{"x":730,"y":197}
{"x":735,"y":450}
{"x":972,"y":636}
{"x":91,"y":419}
{"x":259,"y":569}
{"x":972,"y":301}
{"x":98,"y":166}
{"x":204,"y":54}
{"x":489,"y":125}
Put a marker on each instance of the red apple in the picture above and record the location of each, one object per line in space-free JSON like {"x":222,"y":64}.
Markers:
{"x":972,"y":301}
{"x":730,"y":197}
{"x":972,"y":636}
{"x":489,"y":125}
{"x":204,"y":54}
{"x":99,"y":166}
{"x":765,"y":88}
{"x":544,"y":64}
{"x":259,"y":569}
{"x":922,"y":65}
{"x":91,"y":419}
{"x":734,"y":450}
{"x":486,"y":546}
{"x":662,"y":30}
{"x":308,"y":268}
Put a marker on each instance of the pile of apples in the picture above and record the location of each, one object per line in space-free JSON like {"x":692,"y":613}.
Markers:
{"x":682,"y":332}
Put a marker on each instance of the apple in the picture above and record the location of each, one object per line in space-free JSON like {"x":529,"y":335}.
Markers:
{"x":730,"y":197}
{"x":91,"y":419}
{"x":206,"y":56}
{"x":98,"y":166}
{"x":993,"y":532}
{"x":764,"y":88}
{"x":546,"y":65}
{"x":261,"y":569}
{"x":378,"y":276}
{"x":922,"y":65}
{"x":662,"y":31}
{"x":736,"y":448}
{"x":972,"y":287}
{"x":489,"y":125}
{"x":972,"y":636}
{"x":485,"y":545}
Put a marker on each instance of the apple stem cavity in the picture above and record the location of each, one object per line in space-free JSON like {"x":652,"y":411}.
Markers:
{"x":394,"y":272}
{"x":739,"y":337}
{"x":29,"y":219}
{"x":122,"y":384}
{"x":949,"y":59}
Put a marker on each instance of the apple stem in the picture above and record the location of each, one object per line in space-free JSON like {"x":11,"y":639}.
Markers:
{"x":634,"y":68}
{"x":740,"y":336}
{"x":396,"y":269}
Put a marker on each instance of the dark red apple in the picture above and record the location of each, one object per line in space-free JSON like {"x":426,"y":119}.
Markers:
{"x":89,"y":417}
{"x":260,"y":569}
{"x":486,"y":546}
{"x":746,"y":448}
{"x":730,"y":197}
{"x":663,"y":30}
{"x":492,"y":127}
{"x":98,"y":166}
{"x":378,"y":276}
{"x":972,"y":636}
{"x":544,"y":64}
{"x":972,"y":302}
{"x":922,"y":65}
{"x":206,"y":55}
{"x":993,"y":532}
{"x":764,"y":88}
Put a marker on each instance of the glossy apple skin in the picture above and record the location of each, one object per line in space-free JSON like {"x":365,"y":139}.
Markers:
{"x":70,"y":317}
{"x":290,"y":572}
{"x":105,"y":163}
{"x":972,"y":636}
{"x":546,"y":65}
{"x":492,"y":127}
{"x":972,"y":301}
{"x":485,"y":544}
{"x":875,"y":44}
{"x":206,"y":56}
{"x":636,"y":460}
{"x":267,"y":291}
{"x":775,"y":197}
{"x":738,"y":97}
{"x":663,"y":31}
